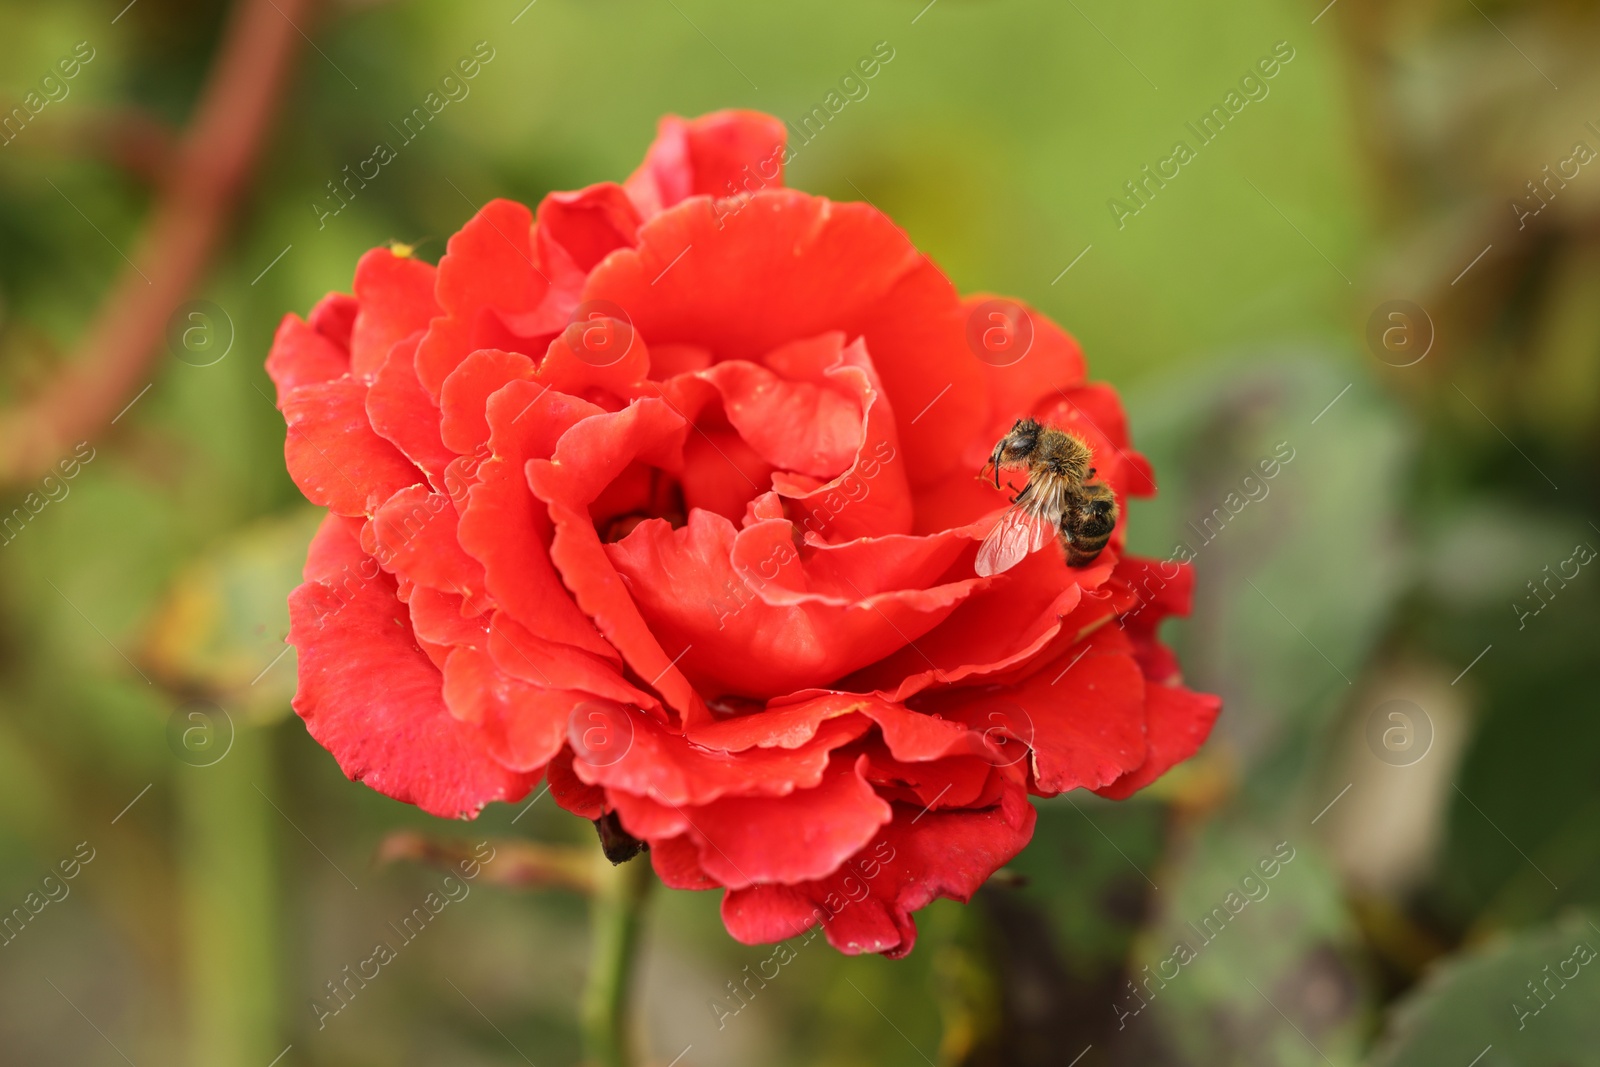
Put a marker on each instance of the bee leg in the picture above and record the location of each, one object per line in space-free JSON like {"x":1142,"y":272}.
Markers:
{"x":994,"y":461}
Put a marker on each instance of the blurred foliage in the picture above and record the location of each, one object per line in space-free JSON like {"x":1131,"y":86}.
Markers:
{"x":1384,"y":561}
{"x":1462,"y":1010}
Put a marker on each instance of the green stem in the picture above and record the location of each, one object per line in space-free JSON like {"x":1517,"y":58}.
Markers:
{"x":230,"y":908}
{"x":615,"y":916}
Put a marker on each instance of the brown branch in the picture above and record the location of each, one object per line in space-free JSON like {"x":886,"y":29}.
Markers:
{"x":514,"y":863}
{"x":215,"y":159}
{"x":127,"y":137}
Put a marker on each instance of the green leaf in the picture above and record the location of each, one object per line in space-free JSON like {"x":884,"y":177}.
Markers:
{"x":1527,"y":1000}
{"x":1262,"y":974}
{"x":221,"y":627}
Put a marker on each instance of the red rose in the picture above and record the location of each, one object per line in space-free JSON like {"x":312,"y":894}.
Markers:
{"x":668,"y":493}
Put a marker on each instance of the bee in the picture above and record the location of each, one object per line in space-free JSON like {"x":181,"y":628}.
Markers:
{"x":1058,"y":501}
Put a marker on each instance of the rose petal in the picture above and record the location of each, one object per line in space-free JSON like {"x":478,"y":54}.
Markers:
{"x":396,"y":297}
{"x":909,"y":736}
{"x":582,"y":799}
{"x":677,"y":863}
{"x":935,"y":785}
{"x":302,"y":356}
{"x":745,"y":841}
{"x":722,"y":474}
{"x":557,"y":666}
{"x":396,"y":735}
{"x":813,"y":427}
{"x":589,"y":456}
{"x":789,"y":265}
{"x":1082,"y":715}
{"x":508,"y":530}
{"x":579,"y":366}
{"x":437,"y":619}
{"x":661,"y":765}
{"x":1053,"y":362}
{"x":1002,"y":625}
{"x":332,"y":453}
{"x":522,"y":726}
{"x":334,"y":317}
{"x":588,"y":224}
{"x":712,"y":155}
{"x":404,"y":415}
{"x":414,"y":535}
{"x":464,"y":396}
{"x":873,"y":496}
{"x":1178,"y":721}
{"x":753,"y":617}
{"x":866,"y":905}
{"x":487,"y":273}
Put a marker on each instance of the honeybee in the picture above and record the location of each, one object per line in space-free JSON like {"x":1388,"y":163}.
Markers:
{"x":1058,"y":501}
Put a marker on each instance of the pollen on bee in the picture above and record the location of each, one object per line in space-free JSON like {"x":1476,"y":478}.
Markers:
{"x":401,"y":249}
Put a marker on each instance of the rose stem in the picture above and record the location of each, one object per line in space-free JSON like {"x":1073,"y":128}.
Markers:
{"x":230,"y":878}
{"x":615,"y":914}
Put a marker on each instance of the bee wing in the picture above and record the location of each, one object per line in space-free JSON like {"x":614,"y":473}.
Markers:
{"x":1021,"y":530}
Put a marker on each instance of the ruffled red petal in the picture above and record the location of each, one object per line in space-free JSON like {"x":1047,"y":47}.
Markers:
{"x":521,"y":725}
{"x":395,"y":294}
{"x":575,"y":364}
{"x":303,"y":356}
{"x":407,"y":417}
{"x":590,"y":455}
{"x":721,"y":154}
{"x":752,"y":615}
{"x":332,"y":453}
{"x":373,"y":699}
{"x":1080,"y":717}
{"x":334,"y":317}
{"x":557,"y":666}
{"x":661,"y":765}
{"x":587,"y":225}
{"x":1052,"y":363}
{"x":1178,"y":720}
{"x":872,"y":497}
{"x":1004,"y":624}
{"x":487,"y":276}
{"x":414,"y":535}
{"x":743,"y":841}
{"x":801,"y":421}
{"x":505,"y":528}
{"x":464,"y":396}
{"x":866,"y":905}
{"x":790,"y":266}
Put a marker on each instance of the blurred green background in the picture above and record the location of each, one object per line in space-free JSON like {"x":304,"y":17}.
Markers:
{"x":1418,"y":548}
